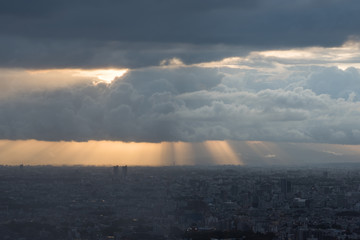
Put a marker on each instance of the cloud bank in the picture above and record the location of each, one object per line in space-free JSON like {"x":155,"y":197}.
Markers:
{"x":191,"y":103}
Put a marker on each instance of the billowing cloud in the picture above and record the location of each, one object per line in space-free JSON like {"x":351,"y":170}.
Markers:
{"x":192,"y":103}
{"x":335,"y":82}
{"x":137,"y":33}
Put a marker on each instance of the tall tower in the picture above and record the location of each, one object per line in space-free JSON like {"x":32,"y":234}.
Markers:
{"x":124,"y":172}
{"x":116,"y":171}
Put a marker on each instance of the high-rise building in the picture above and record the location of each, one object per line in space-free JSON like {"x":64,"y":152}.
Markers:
{"x":124,"y":172}
{"x":285,"y":186}
{"x":116,"y":170}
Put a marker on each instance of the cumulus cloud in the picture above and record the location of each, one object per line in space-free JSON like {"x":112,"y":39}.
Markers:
{"x":183,"y":103}
{"x":337,"y":83}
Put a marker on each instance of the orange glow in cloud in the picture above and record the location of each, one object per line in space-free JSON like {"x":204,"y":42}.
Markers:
{"x":105,"y":75}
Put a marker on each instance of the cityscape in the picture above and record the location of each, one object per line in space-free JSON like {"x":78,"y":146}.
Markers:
{"x":179,"y":202}
{"x":180,"y":120}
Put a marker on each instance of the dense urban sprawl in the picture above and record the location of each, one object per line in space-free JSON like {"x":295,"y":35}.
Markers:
{"x":46,"y":202}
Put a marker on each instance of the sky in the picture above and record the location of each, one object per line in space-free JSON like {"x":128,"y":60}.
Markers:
{"x":204,"y":78}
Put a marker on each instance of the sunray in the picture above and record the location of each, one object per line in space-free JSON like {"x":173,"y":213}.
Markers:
{"x":184,"y":154}
{"x":258,"y":148}
{"x":168,"y":153}
{"x":223,"y":153}
{"x":33,"y":152}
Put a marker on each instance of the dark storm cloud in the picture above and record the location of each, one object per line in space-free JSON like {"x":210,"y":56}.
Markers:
{"x":80,"y":53}
{"x":188,"y":104}
{"x":81,"y":33}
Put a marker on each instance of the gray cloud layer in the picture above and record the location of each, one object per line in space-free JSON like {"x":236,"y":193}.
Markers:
{"x":193,"y":104}
{"x":42,"y":34}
